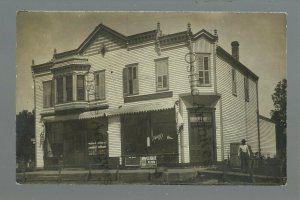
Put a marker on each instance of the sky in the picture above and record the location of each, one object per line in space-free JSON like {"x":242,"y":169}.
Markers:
{"x":262,"y":39}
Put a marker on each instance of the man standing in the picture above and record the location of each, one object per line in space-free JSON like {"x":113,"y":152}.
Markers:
{"x":244,"y":154}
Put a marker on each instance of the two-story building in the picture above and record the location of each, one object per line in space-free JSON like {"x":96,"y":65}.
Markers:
{"x":179,"y":98}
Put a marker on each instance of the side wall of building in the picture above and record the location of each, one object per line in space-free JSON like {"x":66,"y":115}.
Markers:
{"x":239,"y":117}
{"x":39,"y":129}
{"x":267,"y":138}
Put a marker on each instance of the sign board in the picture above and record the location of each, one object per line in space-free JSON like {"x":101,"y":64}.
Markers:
{"x":96,"y":148}
{"x":132,"y":161}
{"x":148,"y":161}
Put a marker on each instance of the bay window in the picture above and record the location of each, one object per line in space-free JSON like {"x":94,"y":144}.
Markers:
{"x":80,"y":87}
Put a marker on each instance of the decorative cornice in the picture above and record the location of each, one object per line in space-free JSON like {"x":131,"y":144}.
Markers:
{"x":38,"y":69}
{"x":235,"y":63}
{"x":173,"y":38}
{"x":70,"y":68}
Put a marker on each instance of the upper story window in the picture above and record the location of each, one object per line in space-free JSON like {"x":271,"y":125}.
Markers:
{"x":65,"y":91}
{"x":130,"y":80}
{"x":233,"y":74}
{"x":48,"y":94}
{"x":60,"y":89}
{"x":80,"y":88}
{"x":246,"y":88}
{"x":203,"y":66}
{"x":69,"y":88}
{"x":100,"y":85}
{"x":162,"y":78}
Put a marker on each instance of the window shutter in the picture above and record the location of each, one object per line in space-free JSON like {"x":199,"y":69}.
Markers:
{"x":97,"y":86}
{"x":135,"y":81}
{"x":125,"y":81}
{"x":102,"y":85}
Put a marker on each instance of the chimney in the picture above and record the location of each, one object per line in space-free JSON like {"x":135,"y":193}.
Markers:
{"x":235,"y":49}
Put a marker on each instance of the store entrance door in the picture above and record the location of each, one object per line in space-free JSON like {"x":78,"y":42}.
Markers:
{"x":74,"y":146}
{"x":202,"y":138}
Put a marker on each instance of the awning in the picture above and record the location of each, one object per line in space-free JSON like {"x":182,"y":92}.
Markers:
{"x":132,"y":109}
{"x":77,"y":116}
{"x":209,"y":100}
{"x":141,"y":108}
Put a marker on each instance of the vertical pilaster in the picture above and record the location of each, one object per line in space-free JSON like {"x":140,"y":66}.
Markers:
{"x":64,"y":89}
{"x":74,"y":78}
{"x":114,"y":137}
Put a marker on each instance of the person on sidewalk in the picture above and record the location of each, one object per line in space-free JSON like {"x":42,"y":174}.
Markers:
{"x":244,"y":154}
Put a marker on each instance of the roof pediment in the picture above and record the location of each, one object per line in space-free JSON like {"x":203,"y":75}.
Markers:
{"x":207,"y":35}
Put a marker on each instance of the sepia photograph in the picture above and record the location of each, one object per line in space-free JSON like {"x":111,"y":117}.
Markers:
{"x":151,"y":98}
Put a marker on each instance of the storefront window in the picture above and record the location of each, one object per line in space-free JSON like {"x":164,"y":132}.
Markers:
{"x":97,"y":147}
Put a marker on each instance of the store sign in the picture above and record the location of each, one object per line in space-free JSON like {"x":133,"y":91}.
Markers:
{"x":148,"y":161}
{"x":96,"y":148}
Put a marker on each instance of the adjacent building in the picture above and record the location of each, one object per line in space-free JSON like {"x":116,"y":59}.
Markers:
{"x":177,"y":99}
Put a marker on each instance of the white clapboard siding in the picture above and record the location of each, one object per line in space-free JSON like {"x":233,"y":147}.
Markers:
{"x":38,"y":87}
{"x":102,"y":39}
{"x":218,"y":131}
{"x":267,"y":138}
{"x":185,"y":143}
{"x":114,"y":62}
{"x":238,"y":118}
{"x":251,"y":116}
{"x":114,"y":137}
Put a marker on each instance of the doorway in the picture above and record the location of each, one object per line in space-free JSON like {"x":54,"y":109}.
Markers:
{"x":202,"y":138}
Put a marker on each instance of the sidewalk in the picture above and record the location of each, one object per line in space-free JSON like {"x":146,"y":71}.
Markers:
{"x":183,"y":176}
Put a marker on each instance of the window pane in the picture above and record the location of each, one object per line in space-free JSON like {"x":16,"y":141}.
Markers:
{"x":134,"y":73}
{"x":206,"y":78}
{"x":130,"y":87}
{"x":69,"y":88}
{"x":165,"y":81}
{"x":59,"y":88}
{"x":206,"y":63}
{"x":130,"y":73}
{"x":80,"y":87}
{"x":47,"y":94}
{"x":201,"y":80}
{"x":159,"y":82}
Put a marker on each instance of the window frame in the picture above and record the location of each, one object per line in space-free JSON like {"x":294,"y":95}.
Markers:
{"x":234,"y":81}
{"x":83,"y":88}
{"x":49,"y":97}
{"x":58,"y":100}
{"x":246,"y":88}
{"x":135,"y":91}
{"x":208,"y":56}
{"x":69,"y":98}
{"x":167,"y":74}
